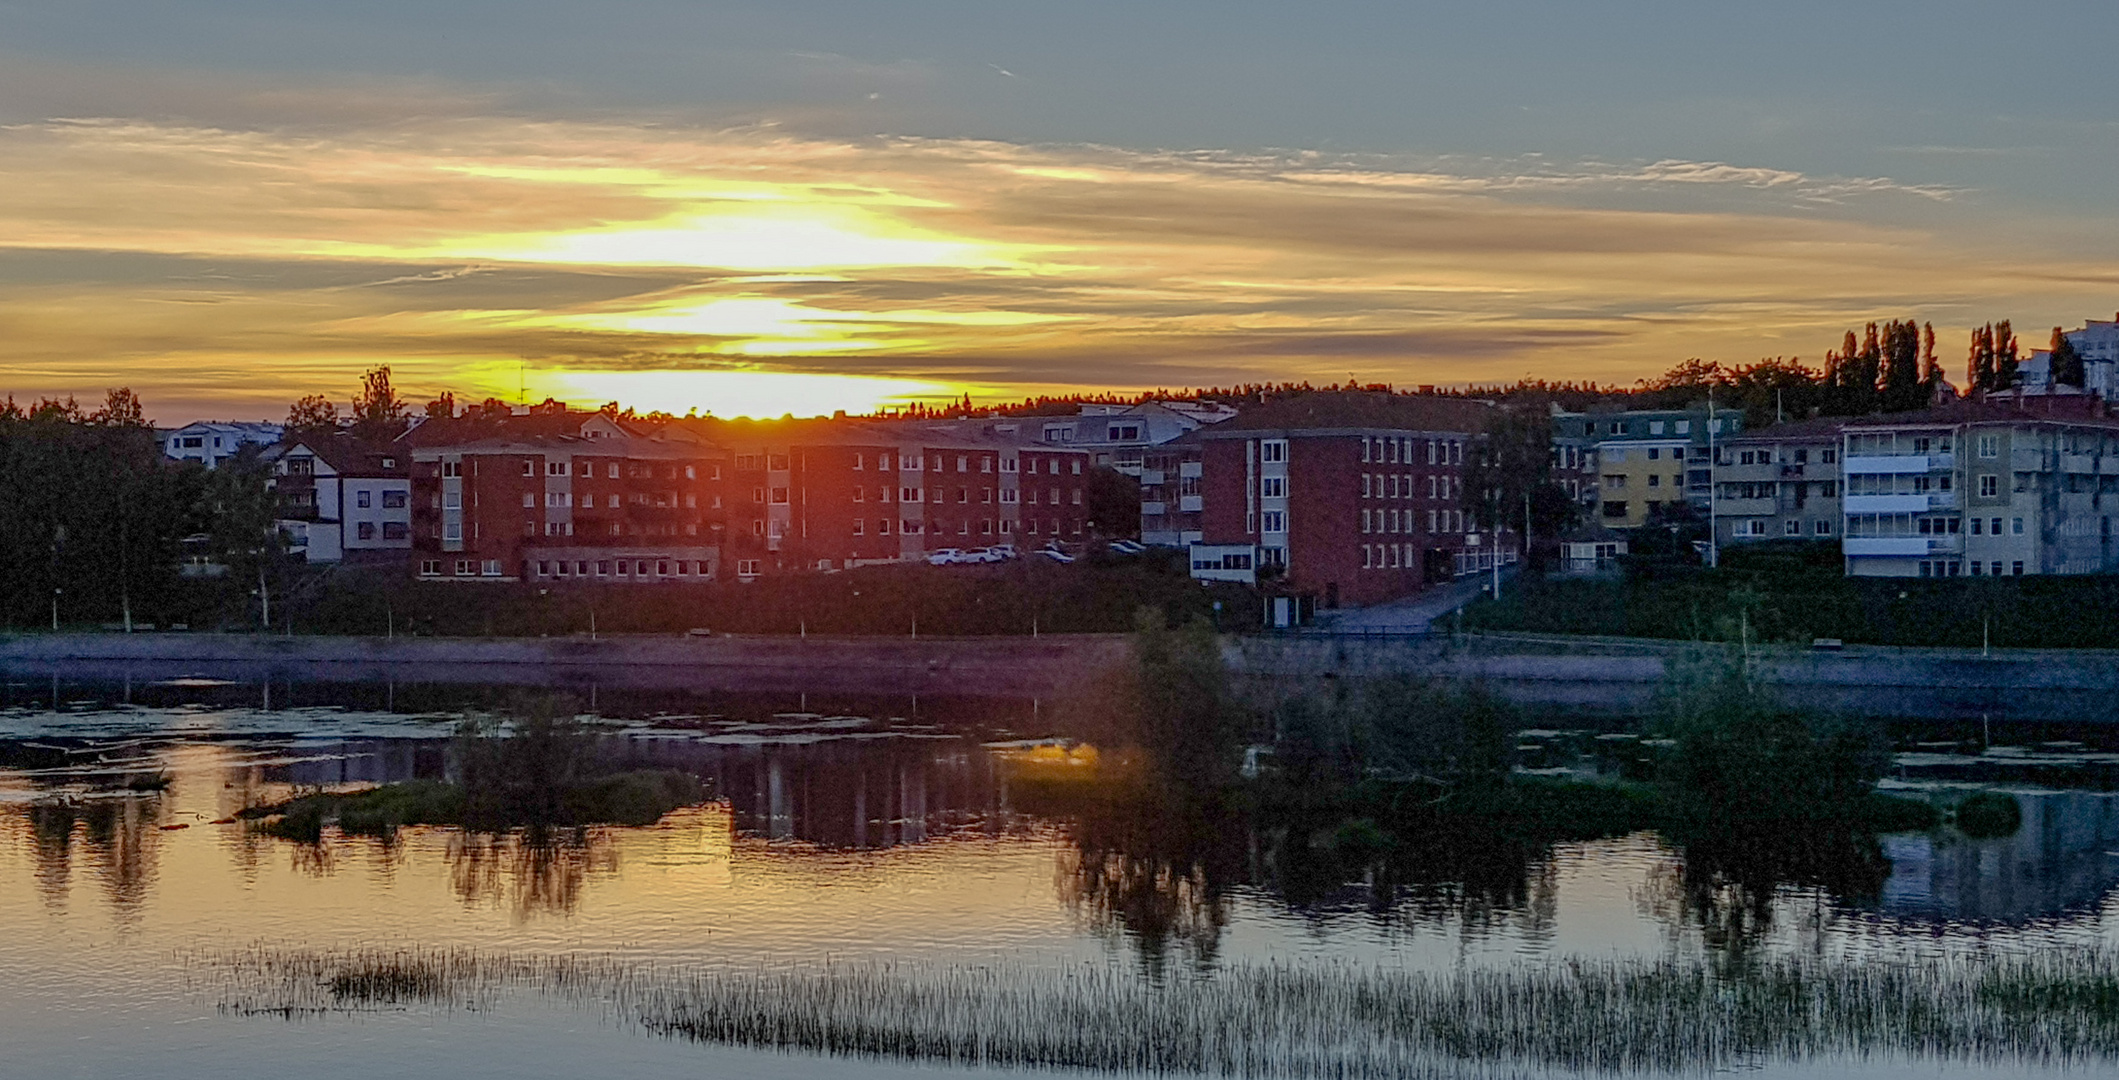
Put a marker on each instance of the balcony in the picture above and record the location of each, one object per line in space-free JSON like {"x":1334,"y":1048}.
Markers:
{"x":1191,"y":504}
{"x":1900,"y":464}
{"x":1153,"y":509}
{"x":1902,"y":546}
{"x":1152,"y":476}
{"x":1886,"y":504}
{"x":1914,"y":503}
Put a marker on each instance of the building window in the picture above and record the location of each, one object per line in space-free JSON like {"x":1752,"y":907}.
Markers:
{"x":1273,"y":450}
{"x":2016,"y":526}
{"x":430,"y":568}
{"x":463,"y":568}
{"x":452,"y":531}
{"x":1989,"y":485}
{"x":360,"y":499}
{"x":2016,"y":568}
{"x":367,"y":530}
{"x":396,"y":530}
{"x":860,"y":527}
{"x":746,"y":568}
{"x":395,"y":500}
{"x":1273,"y":521}
{"x":779,"y":496}
{"x":1272,"y":487}
{"x":860,"y":494}
{"x":882,"y":526}
{"x":1989,"y":446}
{"x":909,"y":527}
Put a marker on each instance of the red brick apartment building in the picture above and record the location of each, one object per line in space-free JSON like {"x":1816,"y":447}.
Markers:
{"x":1356,"y":497}
{"x":558,"y":495}
{"x":831,"y":494}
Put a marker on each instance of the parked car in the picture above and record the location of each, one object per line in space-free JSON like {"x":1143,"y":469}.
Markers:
{"x":1128,"y":547}
{"x":945,"y":557}
{"x":1056,"y":555}
{"x":981,"y":555}
{"x":1005,"y":551}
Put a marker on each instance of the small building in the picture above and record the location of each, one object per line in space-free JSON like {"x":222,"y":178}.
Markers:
{"x":211,"y":442}
{"x":1591,"y":549}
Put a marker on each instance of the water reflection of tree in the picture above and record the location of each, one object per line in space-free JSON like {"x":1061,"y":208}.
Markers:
{"x":1729,"y":885}
{"x":1154,"y":864}
{"x":532,"y":873}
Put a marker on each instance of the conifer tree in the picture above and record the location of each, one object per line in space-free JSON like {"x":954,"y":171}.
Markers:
{"x":2067,"y":368}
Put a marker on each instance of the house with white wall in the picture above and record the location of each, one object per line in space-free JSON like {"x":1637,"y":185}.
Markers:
{"x":344,"y":500}
{"x":210,"y":442}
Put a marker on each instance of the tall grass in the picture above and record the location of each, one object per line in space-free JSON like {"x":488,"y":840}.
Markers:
{"x":1346,"y":1021}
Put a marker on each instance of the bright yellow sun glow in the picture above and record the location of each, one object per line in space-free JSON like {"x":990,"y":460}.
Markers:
{"x":769,"y":326}
{"x":754,"y":236}
{"x":731,"y":393}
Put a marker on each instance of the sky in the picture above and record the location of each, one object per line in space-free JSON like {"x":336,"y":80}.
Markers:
{"x":799,"y":206}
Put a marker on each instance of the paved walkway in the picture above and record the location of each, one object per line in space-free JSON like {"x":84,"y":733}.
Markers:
{"x":1413,"y":614}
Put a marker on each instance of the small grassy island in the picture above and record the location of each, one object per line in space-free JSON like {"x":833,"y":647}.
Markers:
{"x":540,"y":771}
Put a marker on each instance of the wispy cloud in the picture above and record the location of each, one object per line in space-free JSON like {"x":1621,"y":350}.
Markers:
{"x":175,"y":257}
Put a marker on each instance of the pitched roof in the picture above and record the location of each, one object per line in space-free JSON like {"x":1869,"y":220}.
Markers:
{"x":1359,"y":409}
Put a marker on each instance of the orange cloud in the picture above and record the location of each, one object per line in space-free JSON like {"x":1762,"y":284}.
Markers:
{"x":229,"y":271}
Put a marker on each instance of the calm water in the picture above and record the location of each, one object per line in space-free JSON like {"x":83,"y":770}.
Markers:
{"x":831,"y":838}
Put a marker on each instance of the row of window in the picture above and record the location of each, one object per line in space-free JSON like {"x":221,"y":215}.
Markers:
{"x":464,"y":568}
{"x":1953,"y":568}
{"x":586,"y":500}
{"x":623,"y":568}
{"x":1389,"y":556}
{"x":986,"y":527}
{"x":1402,"y":521}
{"x":392,"y":530}
{"x":1791,"y":527}
{"x":1401,"y":486}
{"x":1403,"y":451}
{"x":634,"y":470}
{"x":1617,"y":481}
{"x":392,"y":500}
{"x":1826,"y":455}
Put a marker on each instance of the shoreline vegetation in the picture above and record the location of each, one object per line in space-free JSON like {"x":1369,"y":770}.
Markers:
{"x":1782,"y":591}
{"x":1613,"y":1016}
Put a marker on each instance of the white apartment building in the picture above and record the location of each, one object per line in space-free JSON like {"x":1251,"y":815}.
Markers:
{"x":2098,"y":344}
{"x":210,"y":442}
{"x":1982,"y":490}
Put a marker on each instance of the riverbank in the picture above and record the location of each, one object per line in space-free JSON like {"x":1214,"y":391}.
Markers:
{"x":1042,"y":666}
{"x":1578,"y":676}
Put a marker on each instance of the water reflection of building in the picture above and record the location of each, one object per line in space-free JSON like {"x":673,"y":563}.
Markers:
{"x":851,"y":792}
{"x":2061,"y":859}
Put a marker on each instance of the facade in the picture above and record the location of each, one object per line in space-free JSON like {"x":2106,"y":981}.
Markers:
{"x":1346,"y":497}
{"x":1643,"y":460}
{"x":343,"y":500}
{"x":834,"y":494}
{"x":1983,"y":490}
{"x":210,"y":442}
{"x":608,"y":508}
{"x":1781,"y":482}
{"x":1170,"y":495}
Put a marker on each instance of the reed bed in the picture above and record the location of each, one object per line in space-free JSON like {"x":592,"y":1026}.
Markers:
{"x":1609,"y":1017}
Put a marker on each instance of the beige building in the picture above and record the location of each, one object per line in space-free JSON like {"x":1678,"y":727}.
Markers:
{"x":1781,"y":482}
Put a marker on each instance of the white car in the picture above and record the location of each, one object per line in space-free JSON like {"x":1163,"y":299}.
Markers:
{"x":1005,"y":551}
{"x":983,"y":555}
{"x":1056,"y":555}
{"x":945,"y":557}
{"x":1128,"y":547}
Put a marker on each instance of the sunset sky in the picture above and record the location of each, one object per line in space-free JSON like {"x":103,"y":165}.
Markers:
{"x":801,"y":206}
